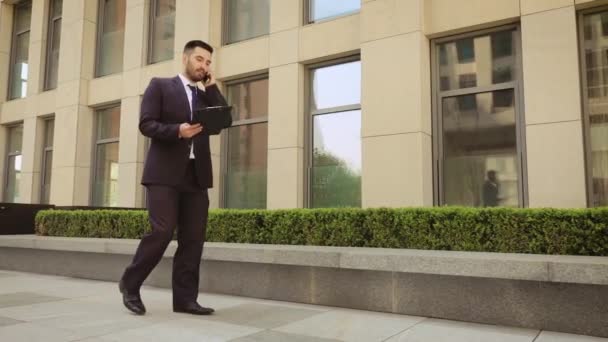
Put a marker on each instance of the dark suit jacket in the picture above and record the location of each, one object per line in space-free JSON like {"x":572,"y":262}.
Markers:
{"x":164,"y":107}
{"x":490,"y":194}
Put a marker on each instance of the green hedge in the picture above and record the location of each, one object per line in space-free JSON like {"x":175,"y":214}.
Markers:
{"x":539,"y":231}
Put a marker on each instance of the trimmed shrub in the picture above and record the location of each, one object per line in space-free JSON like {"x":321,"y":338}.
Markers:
{"x":538,"y":231}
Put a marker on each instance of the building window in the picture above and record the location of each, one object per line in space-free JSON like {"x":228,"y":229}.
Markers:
{"x":334,"y":160}
{"x":105,"y":179}
{"x":467,"y":80}
{"x":319,"y":10}
{"x":53,"y":42}
{"x":595,"y":117}
{"x":246,"y":19}
{"x":13,"y":164}
{"x":162,"y":31}
{"x":47,"y":161}
{"x":246,"y":146}
{"x":477,"y":121}
{"x":444,"y":83}
{"x":110,"y":37}
{"x":466,"y":50}
{"x":604,"y":23}
{"x":19,"y":50}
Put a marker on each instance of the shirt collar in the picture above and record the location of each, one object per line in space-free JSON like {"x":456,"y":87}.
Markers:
{"x":187,"y":82}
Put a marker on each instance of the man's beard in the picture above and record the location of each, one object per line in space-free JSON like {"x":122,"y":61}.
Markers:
{"x":192,"y":74}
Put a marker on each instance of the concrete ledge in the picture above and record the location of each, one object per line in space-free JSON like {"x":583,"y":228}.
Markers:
{"x":549,"y":268}
{"x":560,"y":293}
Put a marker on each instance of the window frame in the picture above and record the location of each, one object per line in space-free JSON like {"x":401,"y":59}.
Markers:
{"x":8,"y":156}
{"x":585,"y":113}
{"x":311,"y":114}
{"x":99,"y":26}
{"x":96,"y":142}
{"x":152,"y":31}
{"x":45,"y":150}
{"x":49,"y":44}
{"x":13,"y":53}
{"x":226,"y":26}
{"x":308,"y":20}
{"x":516,"y":84}
{"x":224,"y":141}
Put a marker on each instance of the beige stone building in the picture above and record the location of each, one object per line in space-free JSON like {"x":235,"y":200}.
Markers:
{"x":337,"y":103}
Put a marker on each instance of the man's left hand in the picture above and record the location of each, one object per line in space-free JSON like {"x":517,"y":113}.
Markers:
{"x":211,"y":80}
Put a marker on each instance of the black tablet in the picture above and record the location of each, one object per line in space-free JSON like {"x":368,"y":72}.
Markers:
{"x":213,"y":119}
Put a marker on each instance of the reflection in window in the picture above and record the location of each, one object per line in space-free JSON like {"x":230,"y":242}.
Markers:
{"x":604,"y":23}
{"x":467,"y":80}
{"x":479,"y":143}
{"x":502,"y":98}
{"x":247,"y":146}
{"x":47,"y":160}
{"x":105,"y":182}
{"x":53,"y":43}
{"x":247,"y":159}
{"x":162,"y":31}
{"x":13,"y":167}
{"x":444,"y":83}
{"x":467,"y":102}
{"x":335,"y":169}
{"x":443,"y":54}
{"x":20,"y":50}
{"x":336,"y":86}
{"x":466,"y":50}
{"x":596,"y":110}
{"x":246,"y":19}
{"x":325,"y":9}
{"x":502,"y":44}
{"x":501,"y":75}
{"x":111,"y":28}
{"x":336,"y":160}
{"x":477,"y":62}
{"x":479,"y":162}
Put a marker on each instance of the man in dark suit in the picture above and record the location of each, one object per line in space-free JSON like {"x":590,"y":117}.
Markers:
{"x":490,"y":190}
{"x":177,"y":174}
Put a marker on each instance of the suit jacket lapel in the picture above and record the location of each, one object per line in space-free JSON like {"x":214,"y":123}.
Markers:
{"x":182,"y":100}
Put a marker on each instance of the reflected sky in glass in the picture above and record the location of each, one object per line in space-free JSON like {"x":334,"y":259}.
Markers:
{"x":339,"y":134}
{"x":18,"y":163}
{"x":336,"y":85}
{"x":24,"y":71}
{"x":322,"y":9}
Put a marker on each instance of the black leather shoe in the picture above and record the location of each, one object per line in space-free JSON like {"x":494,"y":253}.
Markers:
{"x":193,"y":308}
{"x":131,"y":301}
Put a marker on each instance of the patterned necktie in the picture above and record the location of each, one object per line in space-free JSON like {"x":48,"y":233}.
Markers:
{"x":194,"y":99}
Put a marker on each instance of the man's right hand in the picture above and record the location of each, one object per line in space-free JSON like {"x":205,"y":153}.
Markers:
{"x":187,"y":130}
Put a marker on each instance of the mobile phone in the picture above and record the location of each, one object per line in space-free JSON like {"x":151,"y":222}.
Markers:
{"x":206,"y":78}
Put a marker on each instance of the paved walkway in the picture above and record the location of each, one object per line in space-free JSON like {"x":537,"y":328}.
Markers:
{"x":45,"y":308}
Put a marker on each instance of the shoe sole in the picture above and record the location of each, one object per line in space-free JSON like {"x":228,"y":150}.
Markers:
{"x":194,"y":313}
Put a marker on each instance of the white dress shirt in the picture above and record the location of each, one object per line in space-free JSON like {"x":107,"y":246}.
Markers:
{"x":186,"y":82}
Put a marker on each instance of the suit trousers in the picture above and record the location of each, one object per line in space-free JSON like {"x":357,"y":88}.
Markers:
{"x":186,"y":207}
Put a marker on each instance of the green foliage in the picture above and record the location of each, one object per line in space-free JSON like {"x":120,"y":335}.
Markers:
{"x":538,"y":231}
{"x":333,"y":183}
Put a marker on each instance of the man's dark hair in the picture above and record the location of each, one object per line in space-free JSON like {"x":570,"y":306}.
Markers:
{"x":191,"y":45}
